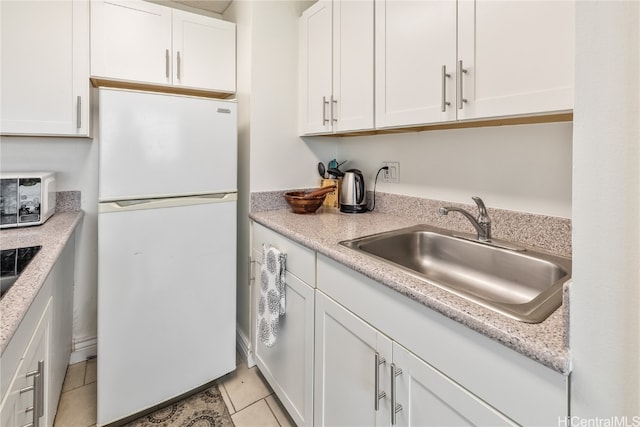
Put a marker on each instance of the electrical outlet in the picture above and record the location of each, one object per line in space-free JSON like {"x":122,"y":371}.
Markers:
{"x":392,"y":175}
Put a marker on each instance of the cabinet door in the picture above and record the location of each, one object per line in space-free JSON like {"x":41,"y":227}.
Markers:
{"x":204,"y":52}
{"x":315,"y":68}
{"x":288,"y":364}
{"x":429,"y":398}
{"x":345,"y":368}
{"x":131,"y":40}
{"x":28,"y":390}
{"x":62,"y":283}
{"x":352,"y":100}
{"x":414,"y":40}
{"x":12,"y":408}
{"x":518,"y":55}
{"x":45,"y":68}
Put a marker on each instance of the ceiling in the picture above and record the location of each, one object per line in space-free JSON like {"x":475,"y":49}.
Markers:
{"x":216,"y":6}
{"x":219,"y":6}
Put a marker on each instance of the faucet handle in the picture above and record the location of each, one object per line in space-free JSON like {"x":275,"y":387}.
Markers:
{"x":483,"y":216}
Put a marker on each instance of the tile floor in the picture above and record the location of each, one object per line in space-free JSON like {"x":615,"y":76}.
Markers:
{"x":249,"y":398}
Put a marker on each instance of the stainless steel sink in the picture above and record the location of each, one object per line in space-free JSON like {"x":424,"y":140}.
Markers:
{"x":523,"y":284}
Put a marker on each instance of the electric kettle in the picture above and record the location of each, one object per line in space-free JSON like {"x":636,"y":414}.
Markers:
{"x":353,"y":198}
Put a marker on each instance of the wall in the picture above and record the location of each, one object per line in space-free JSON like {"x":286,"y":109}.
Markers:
{"x":240,"y":13}
{"x":279,"y":158}
{"x":75,"y":161}
{"x":271,"y":156}
{"x":605,"y":295}
{"x":523,"y":168}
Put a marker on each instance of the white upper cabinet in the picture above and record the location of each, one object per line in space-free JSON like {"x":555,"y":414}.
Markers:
{"x":315,"y":68}
{"x":336,"y":67}
{"x":204,"y":50}
{"x":138,"y":41}
{"x":447,"y":60}
{"x":131,"y":40}
{"x":415,"y":51}
{"x":45,"y":68}
{"x":518,"y":57}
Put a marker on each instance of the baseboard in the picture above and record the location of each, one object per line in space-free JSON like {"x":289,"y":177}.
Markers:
{"x":83,"y":349}
{"x":243,"y":345}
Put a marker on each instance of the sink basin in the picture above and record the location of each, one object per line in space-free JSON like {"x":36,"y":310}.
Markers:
{"x":523,"y":284}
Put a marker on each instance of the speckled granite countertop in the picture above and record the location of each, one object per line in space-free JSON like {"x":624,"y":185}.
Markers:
{"x":545,"y":342}
{"x":52,"y":236}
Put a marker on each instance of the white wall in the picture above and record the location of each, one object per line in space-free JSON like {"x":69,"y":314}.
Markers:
{"x":523,"y":168}
{"x":279,"y":158}
{"x":272,"y":156}
{"x":75,"y":161}
{"x":240,"y":13}
{"x":605,"y":295}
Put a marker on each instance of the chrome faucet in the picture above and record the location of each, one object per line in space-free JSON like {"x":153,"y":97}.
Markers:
{"x":482,"y":224}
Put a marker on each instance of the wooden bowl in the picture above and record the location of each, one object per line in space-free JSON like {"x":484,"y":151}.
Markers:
{"x":301,"y":205}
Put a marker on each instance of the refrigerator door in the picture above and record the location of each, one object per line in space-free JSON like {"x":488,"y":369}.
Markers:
{"x":166,"y":299}
{"x":162,"y":145}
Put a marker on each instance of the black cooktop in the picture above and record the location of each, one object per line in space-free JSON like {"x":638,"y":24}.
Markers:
{"x":14,"y":261}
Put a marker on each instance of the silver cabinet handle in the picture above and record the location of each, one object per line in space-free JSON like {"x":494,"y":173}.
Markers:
{"x":178,"y":68}
{"x":251,"y":275}
{"x":324,"y":110}
{"x":445,"y":76}
{"x":166,"y":63}
{"x":379,"y":360}
{"x":333,"y":102}
{"x":79,"y":112}
{"x":395,"y":407}
{"x":37,"y":409}
{"x":40,"y":393}
{"x":461,"y":99}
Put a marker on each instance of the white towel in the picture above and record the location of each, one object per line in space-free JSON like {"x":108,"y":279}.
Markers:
{"x":272,"y":302}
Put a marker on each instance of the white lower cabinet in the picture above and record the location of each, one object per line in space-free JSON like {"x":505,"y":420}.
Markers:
{"x":27,"y":400}
{"x":288,"y":364}
{"x":353,"y":352}
{"x":348,"y":380}
{"x":451,"y":375}
{"x":363,"y":378}
{"x":426,"y":397}
{"x":35,"y":360}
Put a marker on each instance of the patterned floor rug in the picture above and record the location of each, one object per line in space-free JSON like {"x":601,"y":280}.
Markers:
{"x":204,"y":409}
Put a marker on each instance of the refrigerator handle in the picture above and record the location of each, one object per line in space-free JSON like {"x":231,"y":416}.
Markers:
{"x":138,"y":204}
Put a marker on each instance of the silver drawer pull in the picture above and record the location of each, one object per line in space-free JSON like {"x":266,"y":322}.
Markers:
{"x":378,"y":394}
{"x":166,"y":63}
{"x":324,"y":110}
{"x":37,"y":410}
{"x":461,"y":99}
{"x":334,"y":102}
{"x":79,"y":112}
{"x":445,"y":76}
{"x":178,"y":60}
{"x":395,"y":407}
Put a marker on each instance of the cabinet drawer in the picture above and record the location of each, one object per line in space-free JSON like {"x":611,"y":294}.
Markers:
{"x":498,"y":375}
{"x":301,"y":261}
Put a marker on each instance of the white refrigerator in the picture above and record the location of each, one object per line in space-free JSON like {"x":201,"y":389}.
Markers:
{"x":166,"y":247}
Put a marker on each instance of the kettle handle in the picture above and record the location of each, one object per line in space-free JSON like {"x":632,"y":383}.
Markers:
{"x":360,"y":188}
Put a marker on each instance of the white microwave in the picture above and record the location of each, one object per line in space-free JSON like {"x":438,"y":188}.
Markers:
{"x":26,"y":198}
